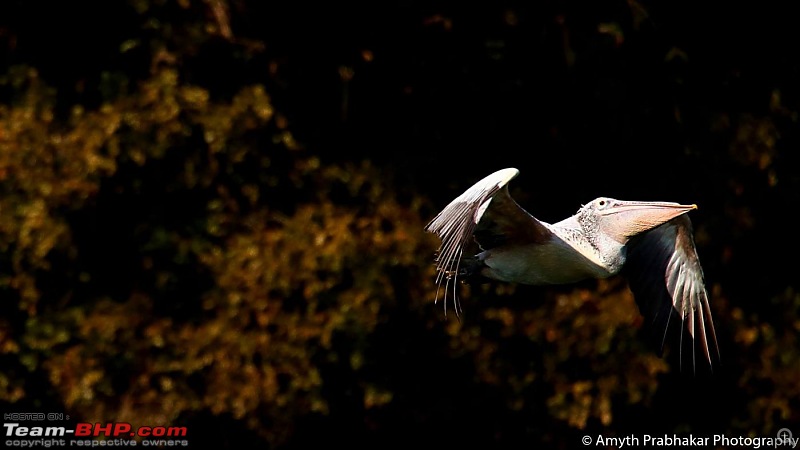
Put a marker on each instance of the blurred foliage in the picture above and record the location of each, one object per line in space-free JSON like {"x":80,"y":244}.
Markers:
{"x":213,"y":216}
{"x":281,"y":282}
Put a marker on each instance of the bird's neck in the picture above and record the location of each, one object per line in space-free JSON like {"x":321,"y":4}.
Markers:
{"x":607,"y":252}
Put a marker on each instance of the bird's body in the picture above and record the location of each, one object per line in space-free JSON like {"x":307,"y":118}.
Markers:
{"x":649,"y":242}
{"x":562,"y":260}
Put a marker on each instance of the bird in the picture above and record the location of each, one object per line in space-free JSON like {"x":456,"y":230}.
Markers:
{"x":651,"y":244}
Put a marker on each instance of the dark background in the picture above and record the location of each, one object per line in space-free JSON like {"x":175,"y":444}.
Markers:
{"x":211,"y":215}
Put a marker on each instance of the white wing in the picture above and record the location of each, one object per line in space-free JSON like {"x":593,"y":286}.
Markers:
{"x":460,"y":221}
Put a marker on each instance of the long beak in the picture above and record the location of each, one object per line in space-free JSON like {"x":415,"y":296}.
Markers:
{"x":627,"y":219}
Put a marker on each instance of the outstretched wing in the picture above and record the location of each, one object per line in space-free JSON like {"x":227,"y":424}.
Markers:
{"x":461,"y":221}
{"x":667,"y":282}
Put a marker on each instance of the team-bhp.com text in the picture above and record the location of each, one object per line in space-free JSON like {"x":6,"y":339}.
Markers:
{"x":122,"y":435}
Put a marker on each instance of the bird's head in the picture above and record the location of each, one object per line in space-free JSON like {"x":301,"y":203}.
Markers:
{"x":621,"y":220}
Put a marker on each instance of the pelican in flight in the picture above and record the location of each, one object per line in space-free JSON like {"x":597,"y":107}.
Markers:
{"x":650,"y":243}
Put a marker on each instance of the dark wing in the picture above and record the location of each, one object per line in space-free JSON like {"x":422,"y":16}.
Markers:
{"x":667,"y":282}
{"x":461,"y":221}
